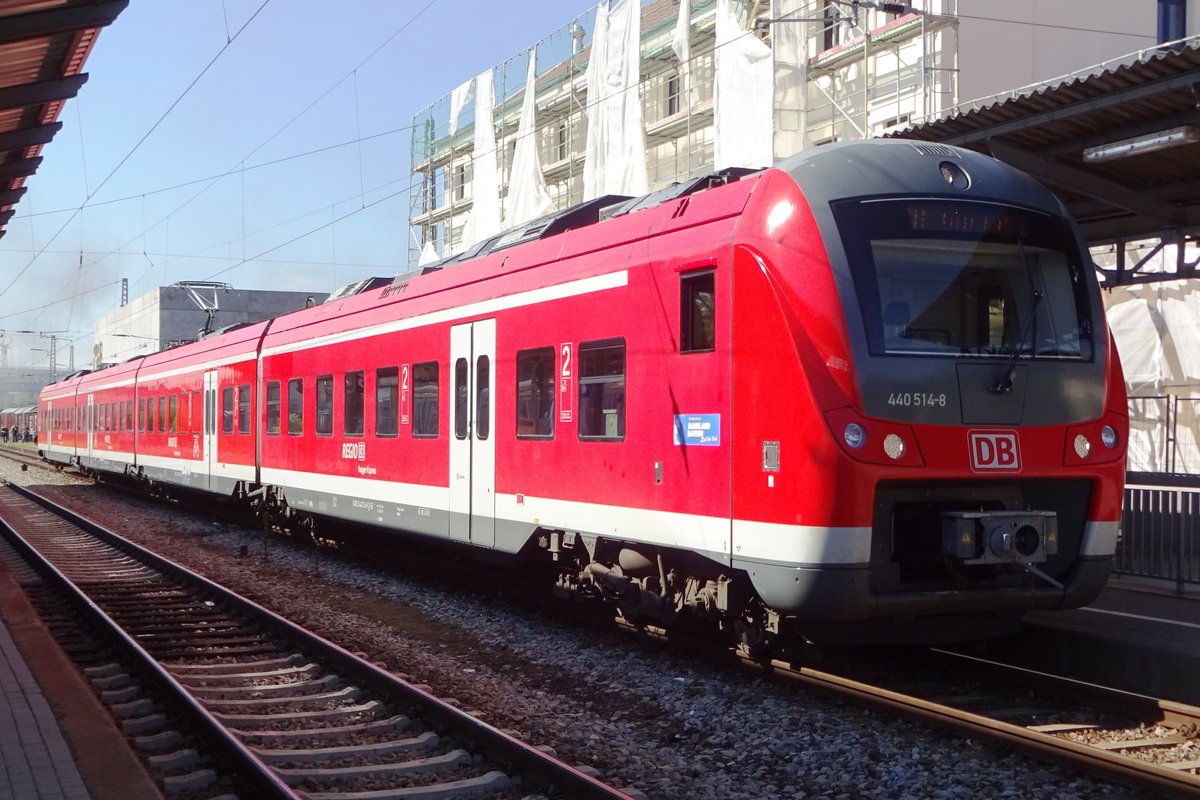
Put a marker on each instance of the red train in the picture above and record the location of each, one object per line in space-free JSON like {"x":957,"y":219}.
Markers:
{"x":872,"y":385}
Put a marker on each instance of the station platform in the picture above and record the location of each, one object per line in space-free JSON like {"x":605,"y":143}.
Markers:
{"x":57,"y":741}
{"x":1140,"y":635}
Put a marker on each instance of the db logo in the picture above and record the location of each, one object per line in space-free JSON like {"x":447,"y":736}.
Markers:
{"x":994,"y":450}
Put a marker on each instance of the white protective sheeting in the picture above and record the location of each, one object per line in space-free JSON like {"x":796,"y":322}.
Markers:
{"x":429,"y":254}
{"x":681,"y":43}
{"x":743,"y":119}
{"x":484,"y":219}
{"x":615,"y":152}
{"x":527,"y":195}
{"x":462,"y":94}
{"x":1156,"y":327}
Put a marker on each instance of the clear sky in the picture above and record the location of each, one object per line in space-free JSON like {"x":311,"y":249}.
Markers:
{"x":263,"y":144}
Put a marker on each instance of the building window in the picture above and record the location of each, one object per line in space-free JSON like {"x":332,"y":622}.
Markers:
{"x":672,"y":95}
{"x":325,"y":405}
{"x":425,"y":400}
{"x":535,"y":393}
{"x":697,"y":312}
{"x":387,"y":401}
{"x":226,"y":410}
{"x":352,"y":409}
{"x":295,"y":406}
{"x":1172,"y":20}
{"x":602,"y":389}
{"x":273,"y":407}
{"x":243,"y":424}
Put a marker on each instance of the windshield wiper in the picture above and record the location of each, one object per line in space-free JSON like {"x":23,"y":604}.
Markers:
{"x":1004,"y":383}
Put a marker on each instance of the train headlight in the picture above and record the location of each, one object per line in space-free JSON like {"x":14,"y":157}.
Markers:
{"x":855,"y":435}
{"x":1082,"y":446}
{"x":1108,"y":436}
{"x":893,"y":445}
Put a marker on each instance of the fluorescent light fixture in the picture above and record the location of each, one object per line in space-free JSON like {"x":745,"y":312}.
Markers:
{"x":1172,"y":137}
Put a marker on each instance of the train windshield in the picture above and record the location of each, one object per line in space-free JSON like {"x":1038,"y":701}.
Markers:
{"x":953,"y":278}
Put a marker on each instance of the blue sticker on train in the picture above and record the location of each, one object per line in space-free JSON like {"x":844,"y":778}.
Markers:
{"x":703,"y":430}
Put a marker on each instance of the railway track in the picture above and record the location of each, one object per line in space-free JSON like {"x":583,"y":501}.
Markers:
{"x":291,"y":714}
{"x":1142,"y":742}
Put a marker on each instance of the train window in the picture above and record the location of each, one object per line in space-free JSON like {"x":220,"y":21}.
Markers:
{"x":112,"y":416}
{"x":352,"y":409}
{"x":697,"y":312}
{"x":150,"y":415}
{"x":227,"y":410}
{"x":425,"y":400}
{"x":461,"y":394}
{"x":129,"y":416}
{"x":121,"y":418}
{"x":387,"y":401}
{"x":273,"y":407}
{"x":535,"y":393}
{"x":295,"y":406}
{"x":243,"y":420}
{"x":325,"y":405}
{"x":483,"y":420}
{"x":162,"y":414}
{"x":602,"y":389}
{"x":940,"y":278}
{"x":172,"y":414}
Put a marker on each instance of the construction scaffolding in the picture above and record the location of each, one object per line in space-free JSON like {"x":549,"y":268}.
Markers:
{"x":842,"y":70}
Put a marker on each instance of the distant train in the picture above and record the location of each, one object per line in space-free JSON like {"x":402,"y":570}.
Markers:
{"x":867,"y":393}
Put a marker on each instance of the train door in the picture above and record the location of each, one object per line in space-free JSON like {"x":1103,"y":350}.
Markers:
{"x":90,"y":423}
{"x":211,"y":421}
{"x":472,"y":435}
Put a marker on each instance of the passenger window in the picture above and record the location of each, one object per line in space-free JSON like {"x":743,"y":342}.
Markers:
{"x":352,"y":409}
{"x":172,"y":411}
{"x":129,"y":416}
{"x":150,"y":415}
{"x":387,"y":401}
{"x":295,"y":407}
{"x":162,"y":414}
{"x":243,"y":424}
{"x":227,"y":410}
{"x":697,"y":312}
{"x":535,"y":393}
{"x":425,"y":400}
{"x":602,"y":390}
{"x":122,"y":417}
{"x":460,"y":399}
{"x":483,"y":368}
{"x":273,"y":407}
{"x":325,"y":405}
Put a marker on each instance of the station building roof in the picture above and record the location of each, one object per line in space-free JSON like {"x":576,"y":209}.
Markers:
{"x":43,"y":45}
{"x":1119,"y":143}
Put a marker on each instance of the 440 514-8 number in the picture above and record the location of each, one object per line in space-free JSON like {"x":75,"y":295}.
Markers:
{"x":917,"y":399}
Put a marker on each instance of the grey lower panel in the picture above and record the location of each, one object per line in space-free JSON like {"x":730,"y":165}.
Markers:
{"x":190,"y":480}
{"x":397,"y":516}
{"x":844,"y":593}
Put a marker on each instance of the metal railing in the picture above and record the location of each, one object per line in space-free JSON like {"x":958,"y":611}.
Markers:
{"x":1160,"y":529}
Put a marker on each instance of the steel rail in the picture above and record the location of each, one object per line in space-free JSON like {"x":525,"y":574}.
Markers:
{"x":523,"y":757}
{"x":1123,"y":769}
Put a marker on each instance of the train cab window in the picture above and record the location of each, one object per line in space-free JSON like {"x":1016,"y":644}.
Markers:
{"x":325,"y":405}
{"x":483,"y":391}
{"x":937,"y":277}
{"x":352,"y":408}
{"x":172,"y":414}
{"x":387,"y":401}
{"x":535,"y":393}
{"x":461,"y":396}
{"x":273,"y":407}
{"x":425,"y":400}
{"x":697,"y":312}
{"x":227,"y":410}
{"x":602,"y":390}
{"x":295,"y":406}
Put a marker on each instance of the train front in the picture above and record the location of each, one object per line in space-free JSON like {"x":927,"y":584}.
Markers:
{"x":975,"y":446}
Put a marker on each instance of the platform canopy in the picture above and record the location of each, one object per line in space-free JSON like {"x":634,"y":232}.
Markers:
{"x":1118,"y":142}
{"x":43,"y":45}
